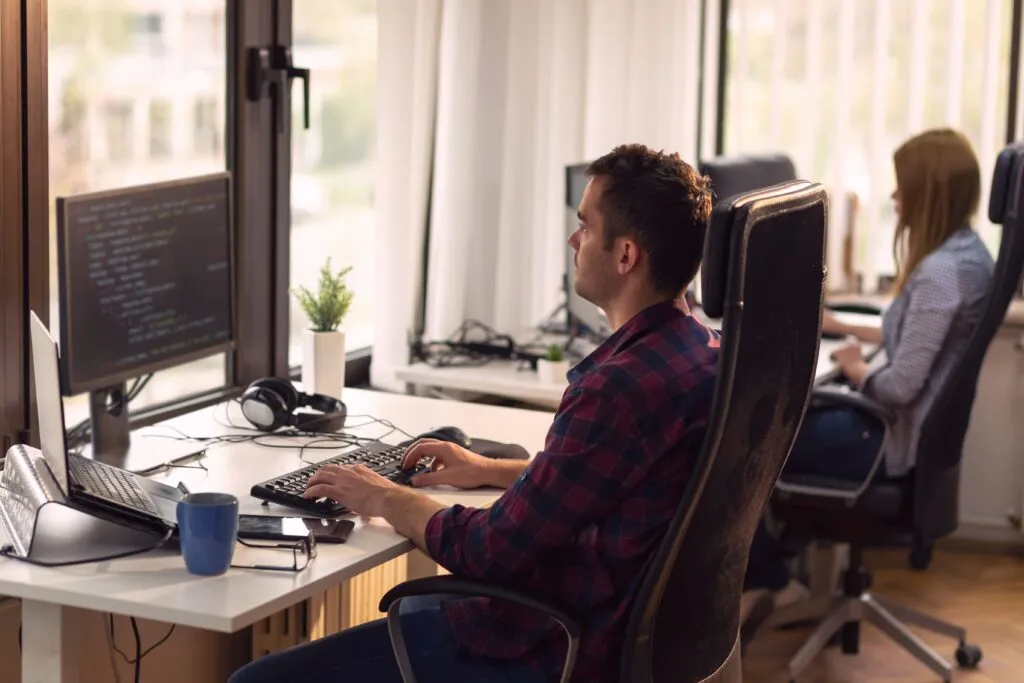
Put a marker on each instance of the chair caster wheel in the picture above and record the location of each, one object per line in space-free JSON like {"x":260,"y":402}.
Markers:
{"x":968,"y":656}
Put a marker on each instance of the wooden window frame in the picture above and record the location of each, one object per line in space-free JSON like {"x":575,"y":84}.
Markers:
{"x":259,"y":158}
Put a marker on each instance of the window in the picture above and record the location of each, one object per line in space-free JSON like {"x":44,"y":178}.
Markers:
{"x":206,"y":128}
{"x":332,"y":162}
{"x":159,"y":129}
{"x":146,"y":32}
{"x":839,"y":85}
{"x":120,"y":133}
{"x":107,"y":96}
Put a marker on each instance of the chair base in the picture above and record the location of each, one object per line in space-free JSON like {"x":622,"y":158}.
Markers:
{"x":844,"y":613}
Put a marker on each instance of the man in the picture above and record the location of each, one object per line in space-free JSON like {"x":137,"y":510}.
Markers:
{"x":577,"y":524}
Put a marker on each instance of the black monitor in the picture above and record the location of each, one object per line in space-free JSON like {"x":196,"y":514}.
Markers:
{"x":146,"y":283}
{"x":583,"y":318}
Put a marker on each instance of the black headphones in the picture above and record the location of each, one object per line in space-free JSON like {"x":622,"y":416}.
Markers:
{"x":270,"y":404}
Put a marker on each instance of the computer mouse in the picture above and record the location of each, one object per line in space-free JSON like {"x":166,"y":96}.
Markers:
{"x":451,"y":434}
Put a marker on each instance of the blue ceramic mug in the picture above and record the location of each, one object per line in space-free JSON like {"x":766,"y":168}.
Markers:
{"x":208,"y":529}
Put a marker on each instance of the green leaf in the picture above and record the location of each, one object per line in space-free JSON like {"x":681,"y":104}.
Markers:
{"x":327,"y":307}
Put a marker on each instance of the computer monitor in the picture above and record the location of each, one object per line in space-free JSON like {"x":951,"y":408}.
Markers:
{"x":582,"y":317}
{"x":146,"y":283}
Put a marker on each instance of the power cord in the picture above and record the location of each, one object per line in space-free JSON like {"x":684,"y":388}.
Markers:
{"x":285,"y":438}
{"x":79,"y":434}
{"x":7,"y":550}
{"x":471,"y":345}
{"x":139,"y":652}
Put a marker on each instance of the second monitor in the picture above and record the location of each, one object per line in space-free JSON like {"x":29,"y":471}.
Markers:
{"x":145,"y":284}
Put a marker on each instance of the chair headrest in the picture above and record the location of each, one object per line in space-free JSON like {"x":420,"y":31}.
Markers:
{"x":732,"y":175}
{"x":728,"y":223}
{"x":1007,"y":163}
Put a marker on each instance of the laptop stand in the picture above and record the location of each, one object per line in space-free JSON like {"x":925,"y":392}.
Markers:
{"x":43,"y":527}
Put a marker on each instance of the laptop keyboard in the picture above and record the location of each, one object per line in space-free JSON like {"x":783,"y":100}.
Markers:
{"x":110,"y":483}
{"x":287,"y":489}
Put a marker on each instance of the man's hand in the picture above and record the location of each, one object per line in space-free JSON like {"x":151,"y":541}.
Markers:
{"x":366,"y":493}
{"x":453,"y":465}
{"x":456,"y":466}
{"x":357,"y":487}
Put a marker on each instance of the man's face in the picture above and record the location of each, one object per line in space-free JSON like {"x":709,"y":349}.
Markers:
{"x":596,"y":275}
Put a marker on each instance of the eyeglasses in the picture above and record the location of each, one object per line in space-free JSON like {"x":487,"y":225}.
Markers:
{"x":302,"y":553}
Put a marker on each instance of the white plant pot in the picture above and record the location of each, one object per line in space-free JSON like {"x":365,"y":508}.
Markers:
{"x":552,"y":371}
{"x":323,"y":362}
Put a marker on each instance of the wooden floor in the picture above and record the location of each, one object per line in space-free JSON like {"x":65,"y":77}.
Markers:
{"x":982,"y":593}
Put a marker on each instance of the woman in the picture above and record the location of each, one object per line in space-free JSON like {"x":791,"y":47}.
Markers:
{"x":944,"y":272}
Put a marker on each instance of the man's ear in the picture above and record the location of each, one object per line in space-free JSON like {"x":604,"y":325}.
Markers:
{"x":627,"y":255}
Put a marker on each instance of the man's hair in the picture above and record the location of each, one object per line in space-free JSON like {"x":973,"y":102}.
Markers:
{"x":661,"y":202}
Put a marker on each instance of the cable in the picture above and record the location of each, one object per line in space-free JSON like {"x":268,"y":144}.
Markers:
{"x":140,"y":654}
{"x":285,"y":438}
{"x":138,"y":649}
{"x":78,"y":434}
{"x":8,"y":551}
{"x":472,"y":344}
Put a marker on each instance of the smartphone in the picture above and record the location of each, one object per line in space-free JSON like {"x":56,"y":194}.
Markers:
{"x":329,"y":530}
{"x":272,"y":528}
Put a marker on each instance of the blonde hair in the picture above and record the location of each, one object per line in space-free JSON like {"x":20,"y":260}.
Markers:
{"x":939,"y":182}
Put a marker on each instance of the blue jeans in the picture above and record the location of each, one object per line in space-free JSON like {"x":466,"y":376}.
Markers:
{"x":364,"y":653}
{"x":841,"y":443}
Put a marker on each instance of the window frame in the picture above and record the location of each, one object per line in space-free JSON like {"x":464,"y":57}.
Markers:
{"x":12,"y":218}
{"x":259,"y":158}
{"x":253,"y":151}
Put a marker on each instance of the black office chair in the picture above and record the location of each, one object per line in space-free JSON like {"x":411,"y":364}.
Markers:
{"x":764,"y":270}
{"x":733,"y":175}
{"x":922,"y":507}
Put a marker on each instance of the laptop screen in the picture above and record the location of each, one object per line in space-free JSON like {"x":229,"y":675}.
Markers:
{"x":49,"y":405}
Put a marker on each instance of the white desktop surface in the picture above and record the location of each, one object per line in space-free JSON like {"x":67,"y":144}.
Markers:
{"x":509,"y":379}
{"x":514,"y":380}
{"x":157,"y":586}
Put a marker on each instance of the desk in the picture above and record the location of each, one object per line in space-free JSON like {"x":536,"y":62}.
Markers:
{"x":157,"y":586}
{"x":515,"y":380}
{"x":508,"y":379}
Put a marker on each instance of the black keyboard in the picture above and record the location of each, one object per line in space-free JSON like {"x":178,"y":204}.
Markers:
{"x":287,"y":489}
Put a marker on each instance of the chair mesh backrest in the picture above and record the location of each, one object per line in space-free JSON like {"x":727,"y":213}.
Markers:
{"x":733,"y":175}
{"x":944,"y":428}
{"x":686,"y":614}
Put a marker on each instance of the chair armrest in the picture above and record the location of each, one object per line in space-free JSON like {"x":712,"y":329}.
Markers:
{"x":837,"y":395}
{"x":453,"y":585}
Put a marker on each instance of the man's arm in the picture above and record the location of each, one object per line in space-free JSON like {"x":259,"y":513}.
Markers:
{"x":591,"y":458}
{"x":503,"y":473}
{"x":409,"y":512}
{"x":367,"y":493}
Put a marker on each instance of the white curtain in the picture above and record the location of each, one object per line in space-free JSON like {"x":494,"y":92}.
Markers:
{"x":408,"y":33}
{"x":524,"y":88}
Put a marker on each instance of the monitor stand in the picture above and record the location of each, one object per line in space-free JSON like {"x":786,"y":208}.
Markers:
{"x":143,"y":450}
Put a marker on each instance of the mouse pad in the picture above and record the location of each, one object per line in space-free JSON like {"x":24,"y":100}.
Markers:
{"x":498,"y":450}
{"x":490,"y":449}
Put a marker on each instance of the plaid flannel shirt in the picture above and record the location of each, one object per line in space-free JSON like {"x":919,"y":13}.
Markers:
{"x":581,"y":522}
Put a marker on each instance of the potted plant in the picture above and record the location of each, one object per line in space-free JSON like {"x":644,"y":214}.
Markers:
{"x":552,"y":368}
{"x":323,"y":344}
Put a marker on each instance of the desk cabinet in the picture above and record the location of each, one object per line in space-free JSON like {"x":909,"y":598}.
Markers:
{"x":992,"y":479}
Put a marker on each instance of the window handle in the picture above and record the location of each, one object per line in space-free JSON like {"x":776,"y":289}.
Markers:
{"x":270,"y":71}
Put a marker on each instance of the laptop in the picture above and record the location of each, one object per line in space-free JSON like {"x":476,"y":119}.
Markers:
{"x":89,"y":485}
